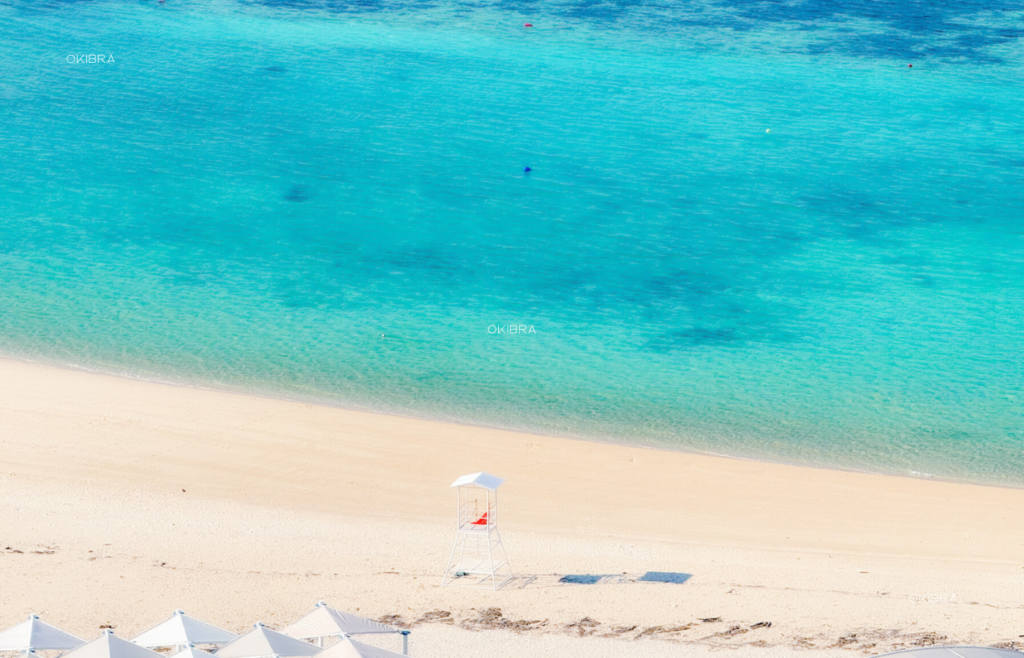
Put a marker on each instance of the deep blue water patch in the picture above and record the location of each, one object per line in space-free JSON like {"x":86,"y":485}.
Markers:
{"x":909,"y":32}
{"x":297,"y":193}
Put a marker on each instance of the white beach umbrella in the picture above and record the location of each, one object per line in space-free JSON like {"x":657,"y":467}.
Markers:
{"x":191,"y":652}
{"x":325,"y":621}
{"x":109,"y":645}
{"x":349,"y":648}
{"x":261,"y":642}
{"x":181,"y":630}
{"x":34,"y":634}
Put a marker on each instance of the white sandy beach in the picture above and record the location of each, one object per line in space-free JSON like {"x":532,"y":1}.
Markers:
{"x":123,"y":500}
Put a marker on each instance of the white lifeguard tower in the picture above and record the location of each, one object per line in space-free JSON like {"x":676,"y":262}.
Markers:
{"x":478,"y":559}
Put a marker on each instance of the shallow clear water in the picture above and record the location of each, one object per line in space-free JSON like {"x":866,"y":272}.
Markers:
{"x":254,"y":192}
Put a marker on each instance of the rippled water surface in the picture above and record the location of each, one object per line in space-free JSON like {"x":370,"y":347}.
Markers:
{"x":791,"y":231}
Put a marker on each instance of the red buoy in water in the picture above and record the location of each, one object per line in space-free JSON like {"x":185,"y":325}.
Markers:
{"x":910,"y":66}
{"x":527,"y":24}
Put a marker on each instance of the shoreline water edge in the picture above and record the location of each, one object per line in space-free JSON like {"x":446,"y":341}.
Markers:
{"x":346,"y":406}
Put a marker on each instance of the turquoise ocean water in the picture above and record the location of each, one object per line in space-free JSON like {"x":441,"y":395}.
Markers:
{"x":252,"y":193}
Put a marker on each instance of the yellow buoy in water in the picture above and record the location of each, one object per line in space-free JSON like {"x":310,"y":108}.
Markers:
{"x":769,"y":130}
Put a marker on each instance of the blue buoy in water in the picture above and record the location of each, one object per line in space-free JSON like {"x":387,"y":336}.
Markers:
{"x":526,"y":170}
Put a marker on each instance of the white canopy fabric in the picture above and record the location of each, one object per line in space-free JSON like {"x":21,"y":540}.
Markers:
{"x":261,"y":642}
{"x":109,"y":645}
{"x":481,"y":479}
{"x":955,"y":652}
{"x":181,"y":629}
{"x":346,"y":647}
{"x":325,"y":621}
{"x":191,"y":652}
{"x":34,"y":634}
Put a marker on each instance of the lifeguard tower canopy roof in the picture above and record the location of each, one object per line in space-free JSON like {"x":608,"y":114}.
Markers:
{"x":481,"y":479}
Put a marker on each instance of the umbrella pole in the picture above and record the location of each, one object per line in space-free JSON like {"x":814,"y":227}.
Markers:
{"x":405,"y":643}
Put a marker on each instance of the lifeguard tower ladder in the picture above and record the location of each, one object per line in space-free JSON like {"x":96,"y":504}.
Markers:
{"x":478,"y":559}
